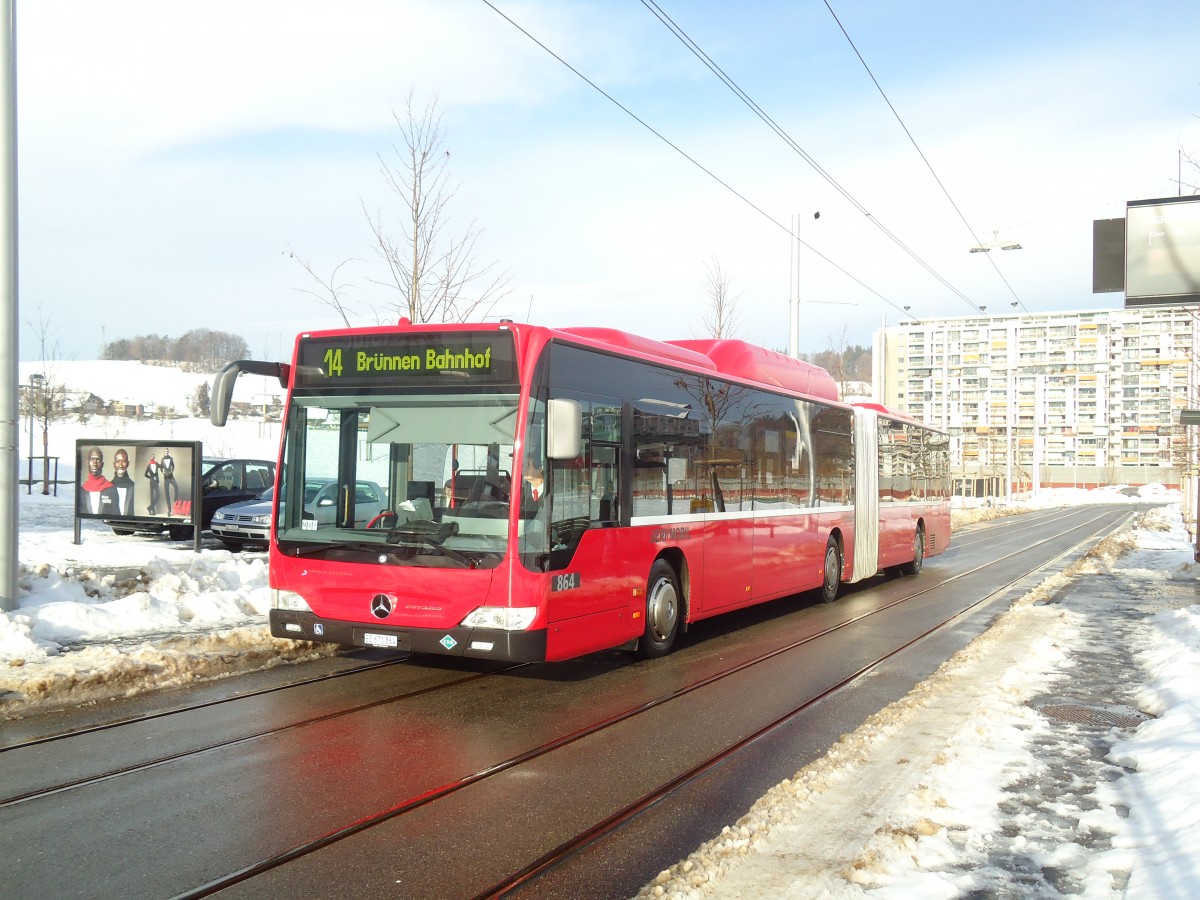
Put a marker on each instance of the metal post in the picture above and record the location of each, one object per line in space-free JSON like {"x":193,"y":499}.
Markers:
{"x":1191,"y":490}
{"x":794,"y":288}
{"x":10,"y":427}
{"x":1008,"y":454}
{"x":45,"y":442}
{"x":36,"y":380}
{"x":1191,"y":417}
{"x":29,"y":416}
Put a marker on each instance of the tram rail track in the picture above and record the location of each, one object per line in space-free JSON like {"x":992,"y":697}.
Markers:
{"x":962,"y":539}
{"x":193,"y":707}
{"x":478,"y":751}
{"x":566,"y":849}
{"x":21,"y":797}
{"x":966,"y":536}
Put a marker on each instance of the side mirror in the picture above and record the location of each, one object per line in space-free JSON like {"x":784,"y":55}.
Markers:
{"x":564,"y":429}
{"x":221,"y":395}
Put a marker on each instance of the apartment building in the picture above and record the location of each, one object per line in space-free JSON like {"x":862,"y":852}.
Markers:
{"x":1049,"y":399}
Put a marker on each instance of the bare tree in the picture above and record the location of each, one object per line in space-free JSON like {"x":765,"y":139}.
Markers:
{"x":722,"y":318}
{"x":836,"y":346}
{"x":331,"y":291}
{"x":45,"y":397}
{"x":434,"y":273}
{"x":1193,"y":163}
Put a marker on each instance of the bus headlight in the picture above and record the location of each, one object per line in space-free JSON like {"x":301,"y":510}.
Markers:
{"x":502,"y":618}
{"x":289,"y":600}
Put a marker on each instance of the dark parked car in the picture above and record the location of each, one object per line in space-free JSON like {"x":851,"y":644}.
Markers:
{"x":250,"y":522}
{"x":232,"y":481}
{"x":223,"y":481}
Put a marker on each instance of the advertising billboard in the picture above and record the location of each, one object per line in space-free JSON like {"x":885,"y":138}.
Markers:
{"x":1162,"y":251}
{"x":136,"y":481}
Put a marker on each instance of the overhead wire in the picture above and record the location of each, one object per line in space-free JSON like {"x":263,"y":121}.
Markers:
{"x":920,"y":152}
{"x":683,"y":37}
{"x":694,"y":162}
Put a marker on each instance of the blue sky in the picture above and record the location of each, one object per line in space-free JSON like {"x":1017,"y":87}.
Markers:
{"x":171,"y":153}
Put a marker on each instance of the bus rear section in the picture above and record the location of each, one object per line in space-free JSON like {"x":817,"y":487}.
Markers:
{"x":903,"y":492}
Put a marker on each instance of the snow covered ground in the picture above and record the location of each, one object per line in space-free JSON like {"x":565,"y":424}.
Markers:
{"x":966,"y":787}
{"x":120,"y":614}
{"x":970,"y":787}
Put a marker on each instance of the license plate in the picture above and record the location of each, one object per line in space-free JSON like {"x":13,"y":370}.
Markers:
{"x":232,"y":527}
{"x":379,"y":640}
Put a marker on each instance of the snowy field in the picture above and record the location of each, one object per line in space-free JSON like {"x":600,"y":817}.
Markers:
{"x":119,"y":614}
{"x":929,"y":777}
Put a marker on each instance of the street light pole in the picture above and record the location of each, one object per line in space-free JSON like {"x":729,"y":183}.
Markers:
{"x":794,"y":289}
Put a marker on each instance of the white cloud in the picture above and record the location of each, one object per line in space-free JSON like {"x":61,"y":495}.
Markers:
{"x":170,"y":153}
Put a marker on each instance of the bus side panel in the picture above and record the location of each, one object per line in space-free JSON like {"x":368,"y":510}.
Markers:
{"x":897,"y":527}
{"x":602,"y":575}
{"x":729,"y":566}
{"x":937,"y":528}
{"x":599,"y":600}
{"x":788,"y":553}
{"x":568,"y":638}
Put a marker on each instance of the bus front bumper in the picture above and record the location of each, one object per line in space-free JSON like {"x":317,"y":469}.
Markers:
{"x":477,"y":643}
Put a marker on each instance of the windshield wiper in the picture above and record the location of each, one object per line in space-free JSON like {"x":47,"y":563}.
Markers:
{"x":429,"y":534}
{"x":435,"y":532}
{"x":378,"y":547}
{"x":310,"y":548}
{"x":432,"y":534}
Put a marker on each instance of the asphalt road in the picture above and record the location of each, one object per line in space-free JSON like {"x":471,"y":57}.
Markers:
{"x":438,"y":778}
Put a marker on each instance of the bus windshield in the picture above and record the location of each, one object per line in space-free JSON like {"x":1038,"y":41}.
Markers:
{"x":423,"y":479}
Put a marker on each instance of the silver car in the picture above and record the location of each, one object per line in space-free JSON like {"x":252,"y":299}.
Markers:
{"x":249,"y":522}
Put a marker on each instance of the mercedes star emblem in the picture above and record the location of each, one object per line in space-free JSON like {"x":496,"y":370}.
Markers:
{"x":381,"y":606}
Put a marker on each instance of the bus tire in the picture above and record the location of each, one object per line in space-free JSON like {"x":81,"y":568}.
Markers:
{"x":918,"y":561}
{"x":663,"y":604}
{"x":831,"y":579}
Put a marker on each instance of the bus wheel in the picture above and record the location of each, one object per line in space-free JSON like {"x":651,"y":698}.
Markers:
{"x":832,"y":580}
{"x":662,"y":611}
{"x":918,"y":560}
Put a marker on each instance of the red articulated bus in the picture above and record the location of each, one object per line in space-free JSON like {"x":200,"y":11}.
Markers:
{"x":553,"y":492}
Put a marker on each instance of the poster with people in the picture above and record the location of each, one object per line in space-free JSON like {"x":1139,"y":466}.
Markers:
{"x":134,"y":479}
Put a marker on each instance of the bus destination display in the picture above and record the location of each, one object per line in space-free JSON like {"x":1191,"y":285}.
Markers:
{"x":455,"y":358}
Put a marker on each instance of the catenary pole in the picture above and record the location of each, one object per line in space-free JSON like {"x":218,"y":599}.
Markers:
{"x":8,"y":320}
{"x":794,"y":292}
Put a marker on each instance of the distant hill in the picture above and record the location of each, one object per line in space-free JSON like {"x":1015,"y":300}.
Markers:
{"x":154,"y":387}
{"x":150,"y":385}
